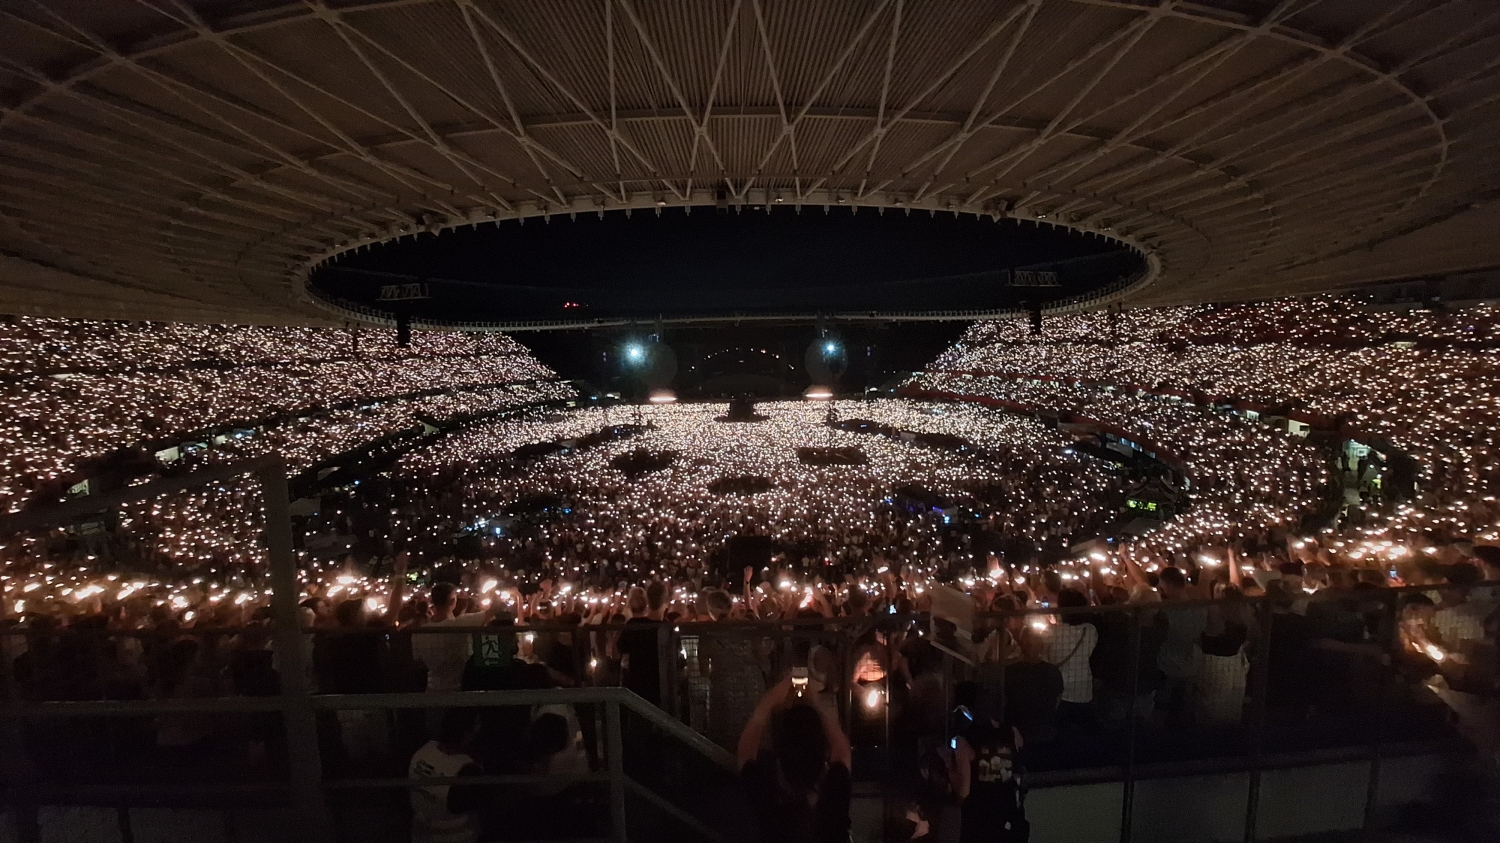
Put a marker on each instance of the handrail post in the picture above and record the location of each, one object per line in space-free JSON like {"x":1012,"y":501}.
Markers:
{"x":1262,"y":673}
{"x":306,"y":767}
{"x":1127,"y":789}
{"x":1385,"y":697}
{"x":665,"y":660}
{"x":614,"y":749}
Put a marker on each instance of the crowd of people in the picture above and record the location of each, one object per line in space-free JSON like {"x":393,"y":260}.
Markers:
{"x":1243,"y":476}
{"x":1004,"y":473}
{"x":1422,"y":383}
{"x":560,"y":542}
{"x":84,"y":396}
{"x":1062,"y":685}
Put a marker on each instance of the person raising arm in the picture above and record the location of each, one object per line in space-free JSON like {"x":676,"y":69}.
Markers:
{"x":804,"y":782}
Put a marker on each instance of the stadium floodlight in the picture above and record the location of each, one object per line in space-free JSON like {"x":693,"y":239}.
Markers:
{"x":635,"y":353}
{"x":830,"y":348}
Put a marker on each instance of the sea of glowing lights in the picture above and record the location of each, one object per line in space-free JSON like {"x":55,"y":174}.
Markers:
{"x":1418,"y":382}
{"x":833,"y":514}
{"x":74,"y":391}
{"x":1421,"y":382}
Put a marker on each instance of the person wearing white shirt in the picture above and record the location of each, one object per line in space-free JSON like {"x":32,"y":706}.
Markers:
{"x":1068,"y":644}
{"x":445,"y":654}
{"x":1459,"y":619}
{"x":446,"y":813}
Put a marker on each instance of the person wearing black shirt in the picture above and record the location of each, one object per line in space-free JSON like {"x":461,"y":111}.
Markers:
{"x":1289,"y":678}
{"x":639,"y":646}
{"x":1123,"y":695}
{"x":988,"y":784}
{"x":800,"y":791}
{"x":1033,"y":688}
{"x":351,"y":661}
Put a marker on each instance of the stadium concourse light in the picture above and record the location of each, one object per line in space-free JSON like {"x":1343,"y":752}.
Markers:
{"x":663,"y":396}
{"x":817,"y":393}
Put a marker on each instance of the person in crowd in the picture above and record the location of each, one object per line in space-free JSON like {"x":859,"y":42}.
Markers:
{"x":252,"y":670}
{"x":495,"y":665}
{"x":800,"y":790}
{"x":186,"y":671}
{"x":640,"y":647}
{"x":445,"y":653}
{"x":1223,"y":665}
{"x":1489,"y":564}
{"x":553,"y":746}
{"x":1068,"y":644}
{"x":352,"y":660}
{"x":1032,"y":691}
{"x":1458,"y":621}
{"x":735,"y":679}
{"x":447,"y":812}
{"x":988,"y":782}
{"x":1290,"y":680}
{"x":1178,"y":657}
{"x":559,"y":806}
{"x":1417,"y":636}
{"x":322,"y":610}
{"x":909,"y":823}
{"x":1123,"y":694}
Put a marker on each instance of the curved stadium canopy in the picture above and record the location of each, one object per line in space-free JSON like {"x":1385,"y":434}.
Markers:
{"x":188,"y":159}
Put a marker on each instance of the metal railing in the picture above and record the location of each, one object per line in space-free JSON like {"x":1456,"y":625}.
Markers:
{"x":1380,"y":699}
{"x":303,"y":716}
{"x":1355,"y":696}
{"x":310,"y":790}
{"x":1393,"y":713}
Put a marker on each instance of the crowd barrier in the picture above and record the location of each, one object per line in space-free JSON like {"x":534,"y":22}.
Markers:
{"x":1365,"y":699}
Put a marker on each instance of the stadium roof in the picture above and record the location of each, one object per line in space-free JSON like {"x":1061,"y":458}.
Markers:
{"x":188,"y":159}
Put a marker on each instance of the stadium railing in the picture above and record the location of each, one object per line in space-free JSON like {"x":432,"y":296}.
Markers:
{"x":63,"y":754}
{"x":659,"y":772}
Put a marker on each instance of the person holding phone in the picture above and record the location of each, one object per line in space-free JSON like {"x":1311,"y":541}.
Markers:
{"x":799,"y":682}
{"x":800,"y":790}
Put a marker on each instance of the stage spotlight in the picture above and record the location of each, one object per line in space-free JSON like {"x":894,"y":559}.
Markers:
{"x":663,"y":396}
{"x":817,"y":393}
{"x":826,"y":359}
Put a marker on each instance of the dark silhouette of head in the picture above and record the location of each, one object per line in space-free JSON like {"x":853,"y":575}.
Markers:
{"x":801,"y":747}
